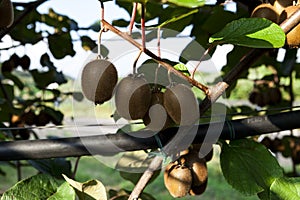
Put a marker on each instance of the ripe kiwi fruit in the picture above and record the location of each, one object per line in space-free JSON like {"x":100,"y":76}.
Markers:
{"x":181,"y":104}
{"x":157,"y":118}
{"x":267,"y":11}
{"x":275,"y":95}
{"x":133,"y":97}
{"x":98,"y":79}
{"x":199,"y":172}
{"x":29,"y":118}
{"x":292,"y":37}
{"x":178,"y":180}
{"x":6,"y":13}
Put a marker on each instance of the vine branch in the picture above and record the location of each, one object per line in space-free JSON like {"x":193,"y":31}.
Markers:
{"x":169,"y":67}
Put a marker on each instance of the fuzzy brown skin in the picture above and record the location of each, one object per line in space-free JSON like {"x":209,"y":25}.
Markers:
{"x":181,"y":104}
{"x":132,"y":97}
{"x":178,"y":180}
{"x":6,"y":14}
{"x":267,"y":11}
{"x":98,"y":80}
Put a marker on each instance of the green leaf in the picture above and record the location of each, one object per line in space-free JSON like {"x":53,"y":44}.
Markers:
{"x":251,"y":32}
{"x":188,"y":3}
{"x":61,"y":45}
{"x":285,"y":189}
{"x":64,"y":192}
{"x":248,"y":166}
{"x":54,"y":167}
{"x":92,"y":189}
{"x":37,"y":187}
{"x":182,"y":68}
{"x":87,"y":43}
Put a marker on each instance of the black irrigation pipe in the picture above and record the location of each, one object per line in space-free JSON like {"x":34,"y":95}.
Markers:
{"x":102,"y":144}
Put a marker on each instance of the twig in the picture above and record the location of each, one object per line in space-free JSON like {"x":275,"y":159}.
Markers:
{"x":133,"y":14}
{"x":143,"y":27}
{"x":76,"y":167}
{"x":155,"y":57}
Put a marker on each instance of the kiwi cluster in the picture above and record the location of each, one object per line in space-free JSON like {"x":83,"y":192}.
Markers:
{"x":15,"y":61}
{"x":6,"y":14}
{"x":187,"y":175}
{"x":135,"y":98}
{"x":264,"y":94}
{"x":288,"y":146}
{"x":277,"y":11}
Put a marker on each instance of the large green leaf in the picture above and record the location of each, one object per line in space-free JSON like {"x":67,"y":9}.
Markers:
{"x":285,"y":189}
{"x":61,"y":45}
{"x":64,"y":192}
{"x":92,"y":189}
{"x":37,"y":187}
{"x":251,"y":32}
{"x":248,"y":166}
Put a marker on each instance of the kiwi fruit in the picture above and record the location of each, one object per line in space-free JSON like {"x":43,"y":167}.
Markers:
{"x":178,"y":180}
{"x":98,"y":79}
{"x":29,"y":118}
{"x":157,"y":118}
{"x":275,"y":95}
{"x":199,"y":171}
{"x":25,"y":62}
{"x":43,"y":119}
{"x":181,"y":104}
{"x":280,"y":5}
{"x":292,"y":37}
{"x":6,"y":14}
{"x":133,"y":97}
{"x":267,"y":11}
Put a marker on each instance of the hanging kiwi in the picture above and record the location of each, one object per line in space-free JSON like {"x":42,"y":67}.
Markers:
{"x":178,"y":179}
{"x":267,"y":11}
{"x":199,"y":172}
{"x":157,"y":118}
{"x":133,"y":97}
{"x":98,"y":79}
{"x":6,"y":14}
{"x":293,"y":37}
{"x":181,"y":104}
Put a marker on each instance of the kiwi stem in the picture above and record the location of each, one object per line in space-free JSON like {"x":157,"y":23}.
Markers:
{"x":135,"y":62}
{"x":127,"y":37}
{"x":99,"y":56}
{"x":101,"y":12}
{"x":133,"y":14}
{"x":143,"y":26}
{"x":202,"y":57}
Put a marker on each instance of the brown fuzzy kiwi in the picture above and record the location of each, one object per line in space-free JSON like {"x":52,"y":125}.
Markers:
{"x":181,"y":104}
{"x":6,"y":14}
{"x":157,"y":118}
{"x":29,"y":118}
{"x":275,"y":95}
{"x":133,"y":97}
{"x":43,"y":119}
{"x":280,"y":5}
{"x":293,"y":37}
{"x":199,"y":171}
{"x":25,"y":62}
{"x":178,"y":180}
{"x":98,"y":79}
{"x":267,"y":11}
